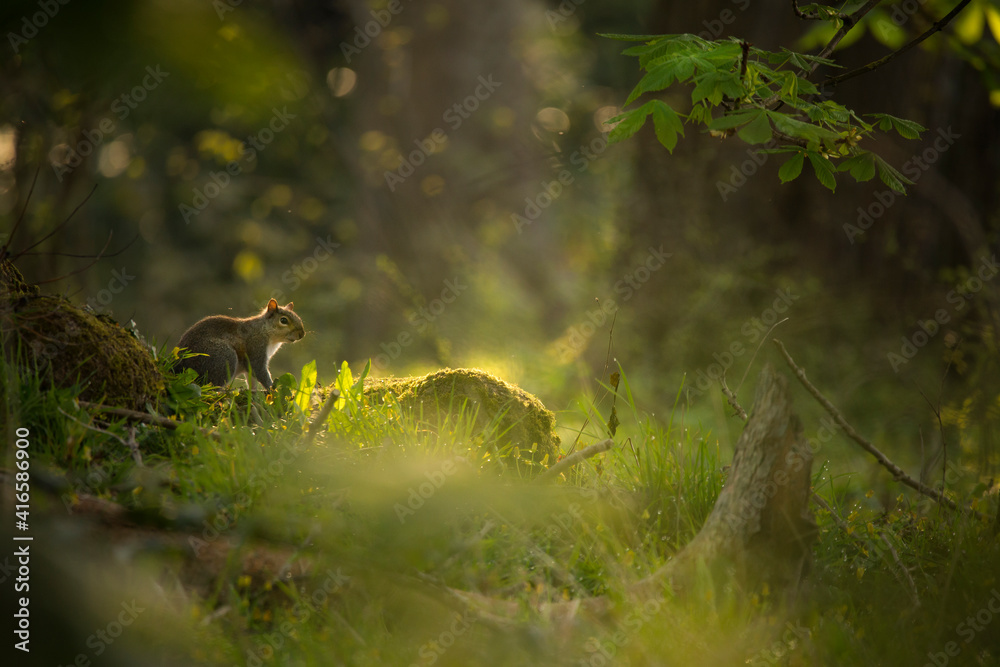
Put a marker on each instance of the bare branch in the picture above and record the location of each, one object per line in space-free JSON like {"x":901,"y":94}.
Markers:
{"x":850,"y":21}
{"x":884,"y":460}
{"x":815,"y":16}
{"x":145,"y":417}
{"x":936,"y":27}
{"x":576,"y":457}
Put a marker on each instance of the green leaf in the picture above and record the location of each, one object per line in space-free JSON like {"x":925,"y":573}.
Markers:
{"x":861,"y":166}
{"x":891,"y":176}
{"x":792,"y":168}
{"x":306,"y":383}
{"x":629,"y":122}
{"x":343,"y":385}
{"x":907,"y":129}
{"x":658,"y":78}
{"x":789,"y":85}
{"x":825,"y":171}
{"x":757,"y":131}
{"x":713,"y":85}
{"x":667,"y":124}
{"x":797,"y":128}
{"x":359,"y":383}
{"x":734,"y":119}
{"x":700,"y":114}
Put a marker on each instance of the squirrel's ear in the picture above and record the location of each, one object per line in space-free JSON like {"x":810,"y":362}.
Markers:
{"x":288,"y":306}
{"x":272,"y":305}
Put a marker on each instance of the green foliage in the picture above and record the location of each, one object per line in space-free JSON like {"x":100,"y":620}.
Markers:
{"x":764,"y":97}
{"x":379,"y":498}
{"x":305,"y":390}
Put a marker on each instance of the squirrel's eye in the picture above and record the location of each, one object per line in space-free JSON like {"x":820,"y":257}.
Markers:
{"x":284,"y":320}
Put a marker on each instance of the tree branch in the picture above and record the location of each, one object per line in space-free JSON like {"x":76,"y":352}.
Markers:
{"x":814,"y":17}
{"x":886,"y":463}
{"x":576,"y":457}
{"x":850,"y":20}
{"x":144,"y":417}
{"x":936,"y":27}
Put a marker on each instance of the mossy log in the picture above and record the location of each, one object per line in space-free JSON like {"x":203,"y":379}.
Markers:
{"x":68,"y":346}
{"x":504,"y":412}
{"x":760,"y":529}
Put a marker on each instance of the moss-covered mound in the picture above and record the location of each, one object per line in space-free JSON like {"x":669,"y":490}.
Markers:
{"x":517,"y":419}
{"x":67,"y":346}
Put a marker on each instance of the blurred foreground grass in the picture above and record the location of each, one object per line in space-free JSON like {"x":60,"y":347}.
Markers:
{"x":255,"y":545}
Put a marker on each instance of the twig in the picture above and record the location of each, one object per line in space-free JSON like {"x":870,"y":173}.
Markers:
{"x":896,"y":471}
{"x":815,"y":16}
{"x":818,"y":499}
{"x":62,"y":224}
{"x":132,"y":445}
{"x":850,"y":21}
{"x":936,"y":27}
{"x":144,"y":417}
{"x":847,"y":531}
{"x":607,"y":363}
{"x":906,"y":573}
{"x":20,"y":217}
{"x":733,"y":402}
{"x":320,"y":418}
{"x":754,"y":356}
{"x":576,"y":457}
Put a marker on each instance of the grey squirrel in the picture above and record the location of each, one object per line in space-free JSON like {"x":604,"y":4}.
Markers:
{"x":237,"y":345}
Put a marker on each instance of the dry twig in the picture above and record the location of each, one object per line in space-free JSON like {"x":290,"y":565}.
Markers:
{"x":884,"y":460}
{"x":576,"y":457}
{"x":144,"y":417}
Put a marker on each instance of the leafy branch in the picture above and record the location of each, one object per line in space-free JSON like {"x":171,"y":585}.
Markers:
{"x":766,"y":98}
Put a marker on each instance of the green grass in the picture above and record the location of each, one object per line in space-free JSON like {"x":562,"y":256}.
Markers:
{"x":369,"y":524}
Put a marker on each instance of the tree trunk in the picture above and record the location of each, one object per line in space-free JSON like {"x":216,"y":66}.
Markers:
{"x":761,"y":525}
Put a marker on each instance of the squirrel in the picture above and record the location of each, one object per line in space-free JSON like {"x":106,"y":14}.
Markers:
{"x":237,"y":345}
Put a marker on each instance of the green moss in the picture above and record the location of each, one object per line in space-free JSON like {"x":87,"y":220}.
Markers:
{"x":520,"y":424}
{"x":68,"y":346}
